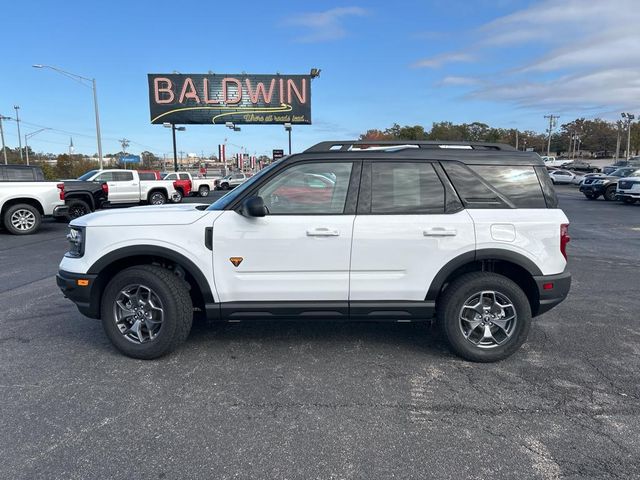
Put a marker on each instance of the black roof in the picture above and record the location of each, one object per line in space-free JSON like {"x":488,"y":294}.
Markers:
{"x":479,"y":153}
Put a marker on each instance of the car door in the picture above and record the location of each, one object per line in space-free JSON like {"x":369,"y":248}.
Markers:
{"x":113,"y":186}
{"x":300,"y":251}
{"x":127,"y":187}
{"x":403,"y":234}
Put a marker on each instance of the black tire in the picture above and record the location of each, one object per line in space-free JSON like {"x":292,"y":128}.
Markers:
{"x":77,"y":208}
{"x":22,"y":219}
{"x":610,"y":193}
{"x":174,"y":297}
{"x":203,"y":191}
{"x":629,"y":201}
{"x":590,"y":196}
{"x":224,"y":186}
{"x":157,"y":198}
{"x":461,"y":290}
{"x":178,"y":196}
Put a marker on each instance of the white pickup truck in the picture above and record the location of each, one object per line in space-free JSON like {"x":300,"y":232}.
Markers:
{"x":550,"y":161}
{"x":199,"y":186}
{"x":125,"y":187}
{"x":25,"y":198}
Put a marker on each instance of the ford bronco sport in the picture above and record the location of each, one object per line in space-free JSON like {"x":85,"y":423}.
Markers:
{"x":467,"y":233}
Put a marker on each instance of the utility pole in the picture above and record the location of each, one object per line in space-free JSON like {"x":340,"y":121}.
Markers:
{"x":552,"y":123}
{"x":125,"y":143}
{"x":16,"y":107}
{"x":628,"y":119}
{"x":517,"y":139}
{"x":4,"y":150}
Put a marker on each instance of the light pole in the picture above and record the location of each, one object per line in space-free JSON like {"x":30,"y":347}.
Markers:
{"x":27,"y":136}
{"x":16,"y":108}
{"x":80,"y":79}
{"x":287,"y":127}
{"x":173,"y":128}
{"x":552,"y":123}
{"x":4,"y":150}
{"x":628,"y":118}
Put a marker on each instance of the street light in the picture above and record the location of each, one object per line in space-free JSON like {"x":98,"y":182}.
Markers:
{"x":27,"y":136}
{"x":80,"y":79}
{"x":287,"y":127}
{"x":173,"y":128}
{"x":628,"y":119}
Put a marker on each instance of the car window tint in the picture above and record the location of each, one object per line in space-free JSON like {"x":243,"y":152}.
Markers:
{"x":184,"y":176}
{"x":123,"y":176}
{"x":308,"y":188}
{"x":105,"y":177}
{"x":405,"y":188}
{"x":472,"y":190}
{"x":146,"y":176}
{"x":519,"y":184}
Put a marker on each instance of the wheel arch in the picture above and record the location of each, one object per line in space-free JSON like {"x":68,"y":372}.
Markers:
{"x":83,"y":195}
{"x":153,"y":190}
{"x":512,"y":265}
{"x":34,"y":202}
{"x":107,"y":266}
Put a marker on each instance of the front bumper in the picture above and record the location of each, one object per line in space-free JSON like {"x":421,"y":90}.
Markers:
{"x":592,"y":189}
{"x":84,"y":296}
{"x":552,"y":290}
{"x":621,"y":194}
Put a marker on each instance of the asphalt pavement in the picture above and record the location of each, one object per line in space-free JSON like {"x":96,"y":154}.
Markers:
{"x":278,"y":400}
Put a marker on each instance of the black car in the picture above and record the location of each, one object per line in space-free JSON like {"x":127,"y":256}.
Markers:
{"x":83,"y":197}
{"x":606,"y":186}
{"x":581,"y":166}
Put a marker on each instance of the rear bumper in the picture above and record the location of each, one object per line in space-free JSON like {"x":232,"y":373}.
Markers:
{"x":552,"y":290}
{"x":83,"y":296}
{"x":60,"y":211}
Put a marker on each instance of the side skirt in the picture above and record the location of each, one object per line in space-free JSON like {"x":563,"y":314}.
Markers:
{"x":383,"y":311}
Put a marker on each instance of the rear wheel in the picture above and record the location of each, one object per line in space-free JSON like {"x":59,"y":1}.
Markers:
{"x":610,"y":193}
{"x":77,"y":208}
{"x":485,"y":317}
{"x":224,"y":186}
{"x":177,"y":198}
{"x":157,"y":198}
{"x":203,"y":191}
{"x":146,"y":311}
{"x":22,"y":219}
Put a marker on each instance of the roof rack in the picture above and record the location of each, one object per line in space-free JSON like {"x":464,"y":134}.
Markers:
{"x":398,"y":145}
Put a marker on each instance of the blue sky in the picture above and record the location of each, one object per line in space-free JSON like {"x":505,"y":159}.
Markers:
{"x":503,"y":62}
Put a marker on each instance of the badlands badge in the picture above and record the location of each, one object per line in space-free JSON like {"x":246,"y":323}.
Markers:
{"x":236,"y":261}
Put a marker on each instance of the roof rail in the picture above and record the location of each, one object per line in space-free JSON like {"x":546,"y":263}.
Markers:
{"x":397,"y":145}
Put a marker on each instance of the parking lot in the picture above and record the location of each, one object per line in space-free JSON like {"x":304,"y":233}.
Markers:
{"x":327,"y":400}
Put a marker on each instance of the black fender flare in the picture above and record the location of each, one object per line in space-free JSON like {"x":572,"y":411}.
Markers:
{"x":156,"y":251}
{"x":478,"y":255}
{"x":81,"y":195}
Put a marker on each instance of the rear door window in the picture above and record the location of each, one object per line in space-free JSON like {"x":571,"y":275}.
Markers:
{"x":405,"y":188}
{"x":123,"y":176}
{"x":147,"y":176}
{"x":14,"y":174}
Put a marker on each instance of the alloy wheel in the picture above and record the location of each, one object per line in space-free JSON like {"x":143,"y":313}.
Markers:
{"x":488,"y":319}
{"x":138,"y":313}
{"x":23,"y":219}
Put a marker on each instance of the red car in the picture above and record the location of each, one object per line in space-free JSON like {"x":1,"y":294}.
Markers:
{"x":183,"y":187}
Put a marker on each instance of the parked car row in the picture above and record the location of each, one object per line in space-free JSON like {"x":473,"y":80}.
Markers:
{"x":622,"y":184}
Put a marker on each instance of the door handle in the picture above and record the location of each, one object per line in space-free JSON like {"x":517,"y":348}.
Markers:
{"x":440,"y":232}
{"x":322,"y":232}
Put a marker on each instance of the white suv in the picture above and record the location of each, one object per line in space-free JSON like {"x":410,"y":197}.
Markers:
{"x":467,"y":233}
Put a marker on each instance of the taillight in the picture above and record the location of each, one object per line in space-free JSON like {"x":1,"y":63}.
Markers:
{"x":105,"y":188}
{"x":564,"y":239}
{"x":61,"y":188}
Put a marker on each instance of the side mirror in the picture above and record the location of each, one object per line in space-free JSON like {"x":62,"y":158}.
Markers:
{"x":253,"y":207}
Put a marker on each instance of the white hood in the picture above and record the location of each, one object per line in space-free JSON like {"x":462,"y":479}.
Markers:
{"x":171,"y":214}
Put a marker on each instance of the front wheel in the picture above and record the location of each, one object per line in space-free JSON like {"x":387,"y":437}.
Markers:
{"x":485,"y":317}
{"x":157,"y":198}
{"x":591,"y":196}
{"x":610,"y":193}
{"x":22,"y":219}
{"x":203,"y":191}
{"x":146,"y":311}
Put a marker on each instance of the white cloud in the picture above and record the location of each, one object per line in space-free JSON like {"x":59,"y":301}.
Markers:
{"x":453,"y":80}
{"x":438,"y":61}
{"x":588,"y":56}
{"x":324,"y":26}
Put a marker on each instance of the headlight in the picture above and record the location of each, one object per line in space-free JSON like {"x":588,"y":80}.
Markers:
{"x":76,"y":242}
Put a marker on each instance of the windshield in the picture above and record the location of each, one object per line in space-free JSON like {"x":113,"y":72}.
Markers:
{"x":88,"y":175}
{"x":621,"y":172}
{"x":222,"y":202}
